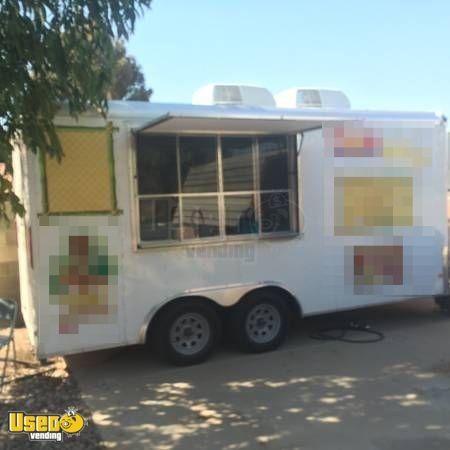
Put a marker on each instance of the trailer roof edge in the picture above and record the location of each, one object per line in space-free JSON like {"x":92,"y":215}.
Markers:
{"x":148,"y":114}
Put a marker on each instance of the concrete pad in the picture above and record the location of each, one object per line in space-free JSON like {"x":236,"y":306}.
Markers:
{"x":391,"y":395}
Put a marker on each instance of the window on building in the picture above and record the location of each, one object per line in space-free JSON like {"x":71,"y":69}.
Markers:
{"x":208,"y":187}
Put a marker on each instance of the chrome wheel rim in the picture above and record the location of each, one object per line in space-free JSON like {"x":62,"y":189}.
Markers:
{"x":190,"y":334}
{"x":263,"y":323}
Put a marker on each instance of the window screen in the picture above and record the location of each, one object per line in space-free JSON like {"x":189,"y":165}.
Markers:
{"x":83,"y":181}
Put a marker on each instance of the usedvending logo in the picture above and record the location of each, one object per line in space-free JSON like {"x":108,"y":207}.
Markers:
{"x":47,"y":427}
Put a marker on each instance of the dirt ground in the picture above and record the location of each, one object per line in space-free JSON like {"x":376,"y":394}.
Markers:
{"x":35,"y":387}
{"x":309,"y":395}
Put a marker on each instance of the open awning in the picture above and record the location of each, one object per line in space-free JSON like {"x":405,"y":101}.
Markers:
{"x":233,"y":119}
{"x":223,"y":119}
{"x":170,"y":124}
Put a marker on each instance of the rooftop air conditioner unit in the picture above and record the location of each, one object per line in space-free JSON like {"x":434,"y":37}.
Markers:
{"x":312,"y":98}
{"x":233,"y":94}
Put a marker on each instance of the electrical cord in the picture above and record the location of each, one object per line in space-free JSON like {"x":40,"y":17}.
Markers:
{"x":341,"y":333}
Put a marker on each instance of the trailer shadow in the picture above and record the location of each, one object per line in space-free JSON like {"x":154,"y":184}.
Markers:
{"x":307,"y":395}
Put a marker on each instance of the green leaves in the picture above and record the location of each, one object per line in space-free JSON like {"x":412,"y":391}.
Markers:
{"x":54,"y":53}
{"x":128,"y":80}
{"x":8,"y":200}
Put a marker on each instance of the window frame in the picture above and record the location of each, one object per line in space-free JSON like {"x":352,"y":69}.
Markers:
{"x":294,"y":212}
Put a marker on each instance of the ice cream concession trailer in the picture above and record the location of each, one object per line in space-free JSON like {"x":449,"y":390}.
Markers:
{"x":172,"y":223}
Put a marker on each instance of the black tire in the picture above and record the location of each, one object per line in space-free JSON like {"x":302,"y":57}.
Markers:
{"x":159,"y":335}
{"x":252,"y":339}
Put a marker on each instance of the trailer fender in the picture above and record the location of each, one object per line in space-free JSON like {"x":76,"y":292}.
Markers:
{"x":222,"y":296}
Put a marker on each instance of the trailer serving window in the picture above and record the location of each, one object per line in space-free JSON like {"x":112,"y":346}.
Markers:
{"x":192,"y":188}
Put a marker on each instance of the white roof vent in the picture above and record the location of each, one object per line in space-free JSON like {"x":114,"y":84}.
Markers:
{"x":312,"y":98}
{"x":233,"y":94}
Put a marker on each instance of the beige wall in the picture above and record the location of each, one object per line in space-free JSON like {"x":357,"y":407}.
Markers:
{"x":9,"y":269}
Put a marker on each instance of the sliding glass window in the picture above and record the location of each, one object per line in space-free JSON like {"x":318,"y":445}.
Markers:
{"x":193,"y":188}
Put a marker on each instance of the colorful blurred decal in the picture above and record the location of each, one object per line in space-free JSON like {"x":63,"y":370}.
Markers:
{"x":83,"y":280}
{"x":357,"y":142}
{"x":378,"y":265}
{"x":362,"y":203}
{"x":350,"y":139}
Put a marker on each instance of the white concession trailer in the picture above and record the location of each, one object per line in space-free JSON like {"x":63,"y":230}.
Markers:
{"x":166,"y":223}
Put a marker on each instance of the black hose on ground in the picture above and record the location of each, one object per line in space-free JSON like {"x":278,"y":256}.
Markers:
{"x":342,"y":333}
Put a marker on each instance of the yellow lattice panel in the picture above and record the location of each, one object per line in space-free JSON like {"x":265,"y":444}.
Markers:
{"x":82,"y":181}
